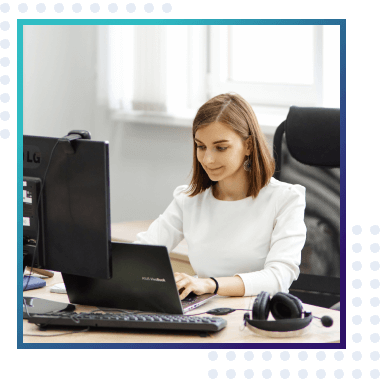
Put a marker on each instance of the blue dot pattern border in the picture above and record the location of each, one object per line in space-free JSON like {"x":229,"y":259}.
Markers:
{"x":94,"y":7}
{"x":5,"y":62}
{"x":58,"y":8}
{"x":363,"y":262}
{"x":362,"y":357}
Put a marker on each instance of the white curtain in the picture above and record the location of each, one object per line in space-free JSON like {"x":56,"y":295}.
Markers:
{"x":151,"y":68}
{"x":171,"y":70}
{"x":115,"y":66}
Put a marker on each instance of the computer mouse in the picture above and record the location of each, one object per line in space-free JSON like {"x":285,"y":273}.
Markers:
{"x":220,"y":311}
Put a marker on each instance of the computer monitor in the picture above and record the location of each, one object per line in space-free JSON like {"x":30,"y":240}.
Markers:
{"x":67,"y":205}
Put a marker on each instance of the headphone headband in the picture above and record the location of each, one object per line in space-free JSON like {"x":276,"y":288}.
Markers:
{"x":285,"y":325}
{"x":270,"y":334}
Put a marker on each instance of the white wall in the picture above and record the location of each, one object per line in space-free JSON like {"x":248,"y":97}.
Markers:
{"x":146,"y":162}
{"x":59,"y":78}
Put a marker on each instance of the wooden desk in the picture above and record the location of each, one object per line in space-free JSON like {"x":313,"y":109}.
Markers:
{"x":230,"y":334}
{"x":126,"y":232}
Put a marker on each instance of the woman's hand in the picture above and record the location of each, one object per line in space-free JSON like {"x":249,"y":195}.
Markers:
{"x":190,"y":284}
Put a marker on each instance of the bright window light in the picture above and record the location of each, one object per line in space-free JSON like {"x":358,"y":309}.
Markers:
{"x":281,"y":54}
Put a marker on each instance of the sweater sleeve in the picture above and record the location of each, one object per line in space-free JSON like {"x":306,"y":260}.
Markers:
{"x":167,"y":229}
{"x":281,"y":266}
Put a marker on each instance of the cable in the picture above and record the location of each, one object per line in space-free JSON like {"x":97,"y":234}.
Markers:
{"x":55,"y":335}
{"x":220,"y":315}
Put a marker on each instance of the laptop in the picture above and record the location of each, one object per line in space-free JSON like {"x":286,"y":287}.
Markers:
{"x":142,"y":279}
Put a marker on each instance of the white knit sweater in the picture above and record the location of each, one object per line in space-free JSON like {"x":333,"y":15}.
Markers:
{"x":258,"y":239}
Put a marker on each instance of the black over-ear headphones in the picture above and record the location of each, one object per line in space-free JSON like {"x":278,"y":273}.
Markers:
{"x":286,"y":309}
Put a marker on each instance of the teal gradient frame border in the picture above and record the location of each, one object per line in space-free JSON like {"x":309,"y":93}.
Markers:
{"x":20,"y":39}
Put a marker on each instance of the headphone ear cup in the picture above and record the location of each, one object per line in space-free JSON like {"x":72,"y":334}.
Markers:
{"x":260,"y":309}
{"x":284,"y":306}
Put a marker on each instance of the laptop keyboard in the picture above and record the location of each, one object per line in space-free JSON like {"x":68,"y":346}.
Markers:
{"x":189,"y":301}
{"x":130,"y":321}
{"x":190,"y":298}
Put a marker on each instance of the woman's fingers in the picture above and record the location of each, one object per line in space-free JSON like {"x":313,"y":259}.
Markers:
{"x":183,"y":281}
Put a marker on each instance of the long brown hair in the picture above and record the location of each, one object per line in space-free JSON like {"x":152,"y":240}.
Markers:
{"x":232,"y":110}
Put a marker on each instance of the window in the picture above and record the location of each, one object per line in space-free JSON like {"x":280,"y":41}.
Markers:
{"x":268,"y":64}
{"x":171,"y":70}
{"x":268,"y":61}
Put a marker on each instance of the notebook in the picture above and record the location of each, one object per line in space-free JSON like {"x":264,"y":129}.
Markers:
{"x":142,"y":279}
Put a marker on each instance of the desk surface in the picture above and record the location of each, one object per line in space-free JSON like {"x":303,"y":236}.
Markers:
{"x":126,"y":232}
{"x":230,"y":334}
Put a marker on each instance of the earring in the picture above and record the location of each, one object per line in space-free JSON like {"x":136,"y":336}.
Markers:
{"x":248,"y":164}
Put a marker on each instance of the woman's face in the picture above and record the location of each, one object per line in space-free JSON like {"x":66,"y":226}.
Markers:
{"x":220,"y":151}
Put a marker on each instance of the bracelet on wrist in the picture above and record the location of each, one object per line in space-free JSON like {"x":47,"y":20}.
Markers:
{"x":217,"y":285}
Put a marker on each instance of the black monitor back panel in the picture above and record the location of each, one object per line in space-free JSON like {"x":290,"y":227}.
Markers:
{"x":76,"y":204}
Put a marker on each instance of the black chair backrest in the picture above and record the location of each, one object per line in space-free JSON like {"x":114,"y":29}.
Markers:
{"x":307,"y":152}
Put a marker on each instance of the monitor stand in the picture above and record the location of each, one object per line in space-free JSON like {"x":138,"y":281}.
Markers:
{"x":34,"y":305}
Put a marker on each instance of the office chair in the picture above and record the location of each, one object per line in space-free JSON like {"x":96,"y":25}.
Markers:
{"x":306,"y":148}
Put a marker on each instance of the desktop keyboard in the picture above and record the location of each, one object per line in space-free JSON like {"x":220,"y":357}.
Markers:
{"x":130,"y":321}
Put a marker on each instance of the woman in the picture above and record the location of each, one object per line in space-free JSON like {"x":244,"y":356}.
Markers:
{"x":245,"y":230}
